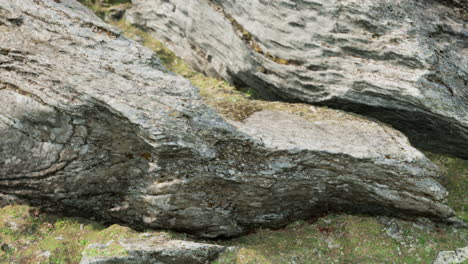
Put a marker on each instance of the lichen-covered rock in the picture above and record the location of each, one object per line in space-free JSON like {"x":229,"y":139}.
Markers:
{"x":403,"y":62}
{"x":452,"y":257}
{"x":152,"y":250}
{"x":91,"y":124}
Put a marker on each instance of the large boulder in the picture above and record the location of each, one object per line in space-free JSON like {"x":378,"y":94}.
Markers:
{"x":403,"y":62}
{"x":91,"y":124}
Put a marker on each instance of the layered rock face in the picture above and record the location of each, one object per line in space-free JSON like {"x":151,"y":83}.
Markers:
{"x":403,"y":62}
{"x":91,"y":124}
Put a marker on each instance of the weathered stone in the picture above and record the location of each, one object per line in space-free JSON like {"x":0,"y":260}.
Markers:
{"x":452,"y":257}
{"x":403,"y":62}
{"x":91,"y":124}
{"x":156,"y":250}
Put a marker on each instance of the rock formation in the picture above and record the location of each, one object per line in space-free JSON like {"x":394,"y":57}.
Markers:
{"x":91,"y":124}
{"x":149,"y":250}
{"x":452,"y":257}
{"x":403,"y":62}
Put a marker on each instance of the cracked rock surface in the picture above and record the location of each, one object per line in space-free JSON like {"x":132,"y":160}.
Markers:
{"x":403,"y":62}
{"x":91,"y":124}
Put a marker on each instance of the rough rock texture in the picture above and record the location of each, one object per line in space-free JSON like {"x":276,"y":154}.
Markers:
{"x":452,"y":257}
{"x":91,"y":124}
{"x":403,"y":62}
{"x":156,"y":250}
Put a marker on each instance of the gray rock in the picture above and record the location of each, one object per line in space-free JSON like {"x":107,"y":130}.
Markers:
{"x":156,"y":250}
{"x":391,"y":227}
{"x":452,"y":257}
{"x":92,"y":125}
{"x":403,"y":62}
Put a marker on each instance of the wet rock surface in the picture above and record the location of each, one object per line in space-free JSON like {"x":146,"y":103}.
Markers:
{"x":402,"y":62}
{"x":93,"y":125}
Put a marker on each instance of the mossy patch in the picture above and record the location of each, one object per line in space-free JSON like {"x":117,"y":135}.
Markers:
{"x":106,"y":242}
{"x":455,"y":172}
{"x":35,"y":237}
{"x":343,"y":239}
{"x":101,"y":7}
{"x":29,"y":236}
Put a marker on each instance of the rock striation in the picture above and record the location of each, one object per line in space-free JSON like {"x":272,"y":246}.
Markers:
{"x":92,"y":124}
{"x":403,"y":62}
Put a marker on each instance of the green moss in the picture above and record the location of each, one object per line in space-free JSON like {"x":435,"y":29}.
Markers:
{"x":101,"y":7}
{"x":455,"y":171}
{"x":30,"y":233}
{"x":343,"y":239}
